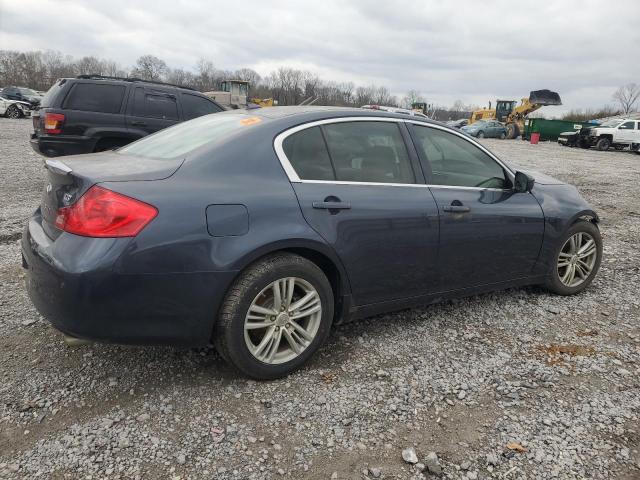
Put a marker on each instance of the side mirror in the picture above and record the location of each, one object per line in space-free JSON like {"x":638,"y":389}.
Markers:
{"x":523,"y":182}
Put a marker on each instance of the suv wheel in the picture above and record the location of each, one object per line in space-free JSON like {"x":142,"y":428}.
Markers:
{"x":275,"y":316}
{"x":577,"y":260}
{"x":603,"y":144}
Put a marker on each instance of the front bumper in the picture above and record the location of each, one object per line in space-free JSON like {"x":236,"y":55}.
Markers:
{"x":77,"y":284}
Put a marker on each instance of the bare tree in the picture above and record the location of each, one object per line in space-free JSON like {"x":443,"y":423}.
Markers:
{"x":149,"y":67}
{"x":412,"y":96}
{"x":627,"y":96}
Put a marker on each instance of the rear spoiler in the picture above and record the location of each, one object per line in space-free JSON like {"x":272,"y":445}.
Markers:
{"x":57,"y":166}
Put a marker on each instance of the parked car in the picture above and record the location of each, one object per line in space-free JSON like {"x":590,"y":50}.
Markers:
{"x":485,"y":128}
{"x":257,"y":230}
{"x":617,"y":133}
{"x":14,"y":108}
{"x":22,"y":94}
{"x":458,"y":123}
{"x":93,"y":113}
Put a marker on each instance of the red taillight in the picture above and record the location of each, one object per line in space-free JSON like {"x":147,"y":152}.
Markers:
{"x":103,"y":213}
{"x":53,"y":122}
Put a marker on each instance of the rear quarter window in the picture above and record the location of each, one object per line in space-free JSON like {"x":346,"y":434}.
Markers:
{"x":93,"y":97}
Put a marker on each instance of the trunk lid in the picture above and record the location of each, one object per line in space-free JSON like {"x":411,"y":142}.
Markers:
{"x":69,"y":178}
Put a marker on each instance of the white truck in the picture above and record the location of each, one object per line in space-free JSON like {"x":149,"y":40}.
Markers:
{"x":617,"y":133}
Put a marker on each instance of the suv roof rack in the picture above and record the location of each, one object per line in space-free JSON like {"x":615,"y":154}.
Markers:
{"x":131,"y":79}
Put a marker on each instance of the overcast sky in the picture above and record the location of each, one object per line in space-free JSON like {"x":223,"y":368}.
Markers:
{"x":474,"y":50}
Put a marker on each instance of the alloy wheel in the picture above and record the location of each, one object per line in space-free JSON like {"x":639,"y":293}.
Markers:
{"x":577,"y":259}
{"x":283,"y":320}
{"x":13,"y":112}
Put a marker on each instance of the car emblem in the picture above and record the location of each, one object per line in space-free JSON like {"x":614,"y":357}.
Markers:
{"x":48,"y":188}
{"x":66,"y":199}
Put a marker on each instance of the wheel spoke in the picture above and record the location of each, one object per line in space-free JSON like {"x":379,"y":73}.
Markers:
{"x":266,"y":341}
{"x":586,"y":246}
{"x":563,"y":264}
{"x":584,"y":266}
{"x":302,"y":331}
{"x":275,"y":345}
{"x":290,"y":287}
{"x":255,"y":325}
{"x":305,"y":313}
{"x":307,"y":299}
{"x":262,"y":310}
{"x":297,"y":347}
{"x":568,"y":275}
{"x":277,"y":295}
{"x":565,"y":255}
{"x":588,"y":252}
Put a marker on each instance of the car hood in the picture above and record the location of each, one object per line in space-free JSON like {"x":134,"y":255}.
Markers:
{"x":539,"y":177}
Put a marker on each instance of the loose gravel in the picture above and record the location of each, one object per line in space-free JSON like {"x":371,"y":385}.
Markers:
{"x":518,"y":384}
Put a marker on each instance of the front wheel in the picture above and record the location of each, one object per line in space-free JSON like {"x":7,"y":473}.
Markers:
{"x":13,"y":112}
{"x":577,"y":260}
{"x":275,"y":316}
{"x":480,"y":135}
{"x":503,"y":136}
{"x":603,"y":144}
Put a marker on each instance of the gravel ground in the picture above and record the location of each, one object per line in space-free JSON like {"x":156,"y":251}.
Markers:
{"x":513,"y":385}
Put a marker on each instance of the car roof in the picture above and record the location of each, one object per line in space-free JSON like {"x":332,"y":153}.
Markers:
{"x":306,"y":113}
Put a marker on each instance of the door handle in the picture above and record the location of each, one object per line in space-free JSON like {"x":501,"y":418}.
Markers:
{"x":332,"y":205}
{"x":139,"y":124}
{"x":456,"y":209}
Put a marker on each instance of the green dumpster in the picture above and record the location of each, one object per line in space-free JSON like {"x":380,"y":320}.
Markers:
{"x":550,"y":129}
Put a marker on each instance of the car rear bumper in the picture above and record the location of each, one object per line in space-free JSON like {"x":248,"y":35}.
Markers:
{"x":75,"y":283}
{"x":59,"y":146}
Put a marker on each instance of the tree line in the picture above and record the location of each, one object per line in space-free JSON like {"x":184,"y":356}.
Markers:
{"x":289,"y":86}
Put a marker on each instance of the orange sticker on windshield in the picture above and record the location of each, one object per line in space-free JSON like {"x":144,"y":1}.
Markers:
{"x":250,"y":121}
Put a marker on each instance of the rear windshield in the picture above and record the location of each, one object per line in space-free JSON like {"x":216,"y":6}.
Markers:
{"x":184,"y":138}
{"x":52,"y":93}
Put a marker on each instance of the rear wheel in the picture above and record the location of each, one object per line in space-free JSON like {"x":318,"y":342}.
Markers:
{"x":603,"y":144}
{"x":13,"y":112}
{"x":577,"y":260}
{"x":275,"y":316}
{"x":503,"y":136}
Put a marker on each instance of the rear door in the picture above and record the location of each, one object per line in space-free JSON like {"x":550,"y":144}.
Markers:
{"x":151,"y":109}
{"x":627,"y":132}
{"x":488,"y":233}
{"x":362,"y":191}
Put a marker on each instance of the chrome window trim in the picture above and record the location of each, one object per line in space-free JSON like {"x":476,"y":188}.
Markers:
{"x":294,"y":178}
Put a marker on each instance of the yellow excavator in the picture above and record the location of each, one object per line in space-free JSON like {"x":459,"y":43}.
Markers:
{"x":512,"y":114}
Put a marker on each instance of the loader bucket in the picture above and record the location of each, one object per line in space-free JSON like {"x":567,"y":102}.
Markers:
{"x":545,"y":97}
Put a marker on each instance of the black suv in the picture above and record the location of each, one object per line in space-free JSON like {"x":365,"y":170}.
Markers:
{"x":93,"y":113}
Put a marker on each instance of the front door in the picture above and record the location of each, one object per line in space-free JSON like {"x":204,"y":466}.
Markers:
{"x":628,"y":132}
{"x":488,"y":233}
{"x":362,"y":192}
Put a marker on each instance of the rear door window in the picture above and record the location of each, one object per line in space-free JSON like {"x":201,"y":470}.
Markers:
{"x":307,"y":153}
{"x":155,"y":104}
{"x":367,"y":151}
{"x":195,"y":106}
{"x":93,"y":97}
{"x":627,"y":126}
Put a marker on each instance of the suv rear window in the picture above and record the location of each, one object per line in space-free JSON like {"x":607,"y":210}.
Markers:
{"x":183,"y":138}
{"x":93,"y":97}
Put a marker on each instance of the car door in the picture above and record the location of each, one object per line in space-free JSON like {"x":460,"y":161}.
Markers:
{"x":488,"y":233}
{"x":151,"y":109}
{"x":361,"y":189}
{"x":626,"y":132}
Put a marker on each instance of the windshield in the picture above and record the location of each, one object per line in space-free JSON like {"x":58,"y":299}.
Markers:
{"x":27,"y":91}
{"x":611,"y":123}
{"x":185,"y":137}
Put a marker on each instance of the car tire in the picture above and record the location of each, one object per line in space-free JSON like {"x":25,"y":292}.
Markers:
{"x":503,"y":136}
{"x":240,"y":342}
{"x":480,"y":135}
{"x":13,"y":112}
{"x":603,"y":144}
{"x":555,"y":282}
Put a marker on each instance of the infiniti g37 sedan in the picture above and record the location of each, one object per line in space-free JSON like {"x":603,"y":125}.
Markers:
{"x":257,"y":230}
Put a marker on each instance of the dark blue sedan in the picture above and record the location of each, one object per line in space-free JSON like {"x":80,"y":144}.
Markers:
{"x":257,"y":230}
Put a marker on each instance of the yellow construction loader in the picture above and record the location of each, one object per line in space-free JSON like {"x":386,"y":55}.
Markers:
{"x":512,"y":115}
{"x":234,"y":93}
